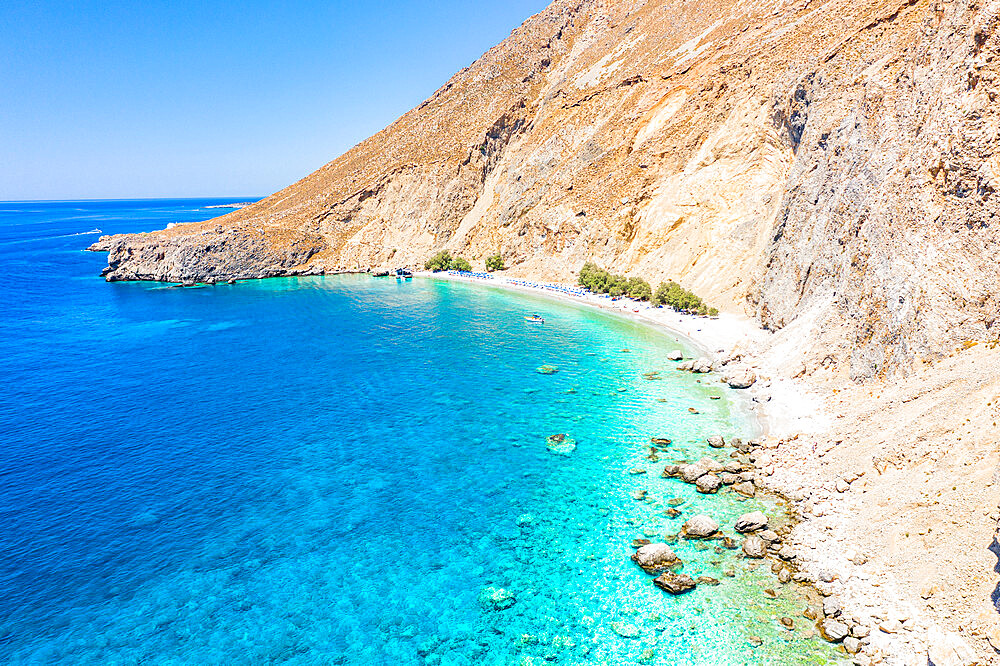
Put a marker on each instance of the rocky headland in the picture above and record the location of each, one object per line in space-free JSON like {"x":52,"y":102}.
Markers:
{"x":823,"y":171}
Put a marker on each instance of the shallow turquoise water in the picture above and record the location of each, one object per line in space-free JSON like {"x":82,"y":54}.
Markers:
{"x":335,"y":470}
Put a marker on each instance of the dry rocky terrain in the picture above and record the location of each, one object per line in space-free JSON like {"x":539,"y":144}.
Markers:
{"x":827,"y":167}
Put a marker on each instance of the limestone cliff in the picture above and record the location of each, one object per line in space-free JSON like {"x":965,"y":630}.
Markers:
{"x":830,"y":164}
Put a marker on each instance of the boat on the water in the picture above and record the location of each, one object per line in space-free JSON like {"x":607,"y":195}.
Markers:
{"x":537,"y":319}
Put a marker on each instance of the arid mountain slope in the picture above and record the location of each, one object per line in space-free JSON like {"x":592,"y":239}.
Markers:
{"x":832,"y":162}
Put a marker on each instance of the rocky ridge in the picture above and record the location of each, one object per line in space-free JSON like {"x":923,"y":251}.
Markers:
{"x":821,"y":162}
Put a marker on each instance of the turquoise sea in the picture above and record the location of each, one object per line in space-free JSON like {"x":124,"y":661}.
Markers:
{"x":346,"y":470}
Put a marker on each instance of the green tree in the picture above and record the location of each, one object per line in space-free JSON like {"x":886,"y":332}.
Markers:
{"x":459,"y":264}
{"x":439,"y":262}
{"x":639,"y":289}
{"x":494,"y":263}
{"x":673,"y":295}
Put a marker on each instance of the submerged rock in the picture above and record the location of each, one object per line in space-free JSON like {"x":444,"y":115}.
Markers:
{"x":561,"y":444}
{"x":700,"y":527}
{"x":674,"y":583}
{"x":496,"y":598}
{"x":547,"y":370}
{"x":655,"y":557}
{"x":660,"y":441}
{"x":625,"y":630}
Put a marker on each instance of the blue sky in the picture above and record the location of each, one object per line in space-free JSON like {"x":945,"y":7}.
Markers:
{"x":185,"y":98}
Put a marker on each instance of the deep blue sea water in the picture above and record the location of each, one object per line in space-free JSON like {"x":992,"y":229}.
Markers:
{"x":344,"y":470}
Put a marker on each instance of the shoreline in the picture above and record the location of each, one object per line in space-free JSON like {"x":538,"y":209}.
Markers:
{"x":778,"y":406}
{"x":860,"y":587}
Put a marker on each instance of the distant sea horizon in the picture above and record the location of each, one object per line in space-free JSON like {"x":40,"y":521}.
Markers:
{"x":346,"y":469}
{"x":126,"y":199}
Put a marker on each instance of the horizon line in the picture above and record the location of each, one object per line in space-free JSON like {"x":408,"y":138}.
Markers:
{"x":19,"y":201}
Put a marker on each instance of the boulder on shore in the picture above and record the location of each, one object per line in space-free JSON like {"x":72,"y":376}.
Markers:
{"x":832,"y":630}
{"x":674,"y":583}
{"x":655,"y":557}
{"x":751,"y":522}
{"x":743,"y":379}
{"x":700,"y":527}
{"x":746,"y":488}
{"x":702,"y":365}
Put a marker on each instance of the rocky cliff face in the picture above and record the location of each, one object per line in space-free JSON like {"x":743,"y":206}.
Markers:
{"x":830,"y":165}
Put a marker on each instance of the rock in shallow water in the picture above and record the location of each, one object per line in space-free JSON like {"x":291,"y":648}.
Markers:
{"x":561,"y":443}
{"x":700,"y":527}
{"x":625,"y":630}
{"x":655,"y":557}
{"x":693,"y":472}
{"x":751,"y":522}
{"x":708,"y":483}
{"x":754,"y":546}
{"x":674,"y":583}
